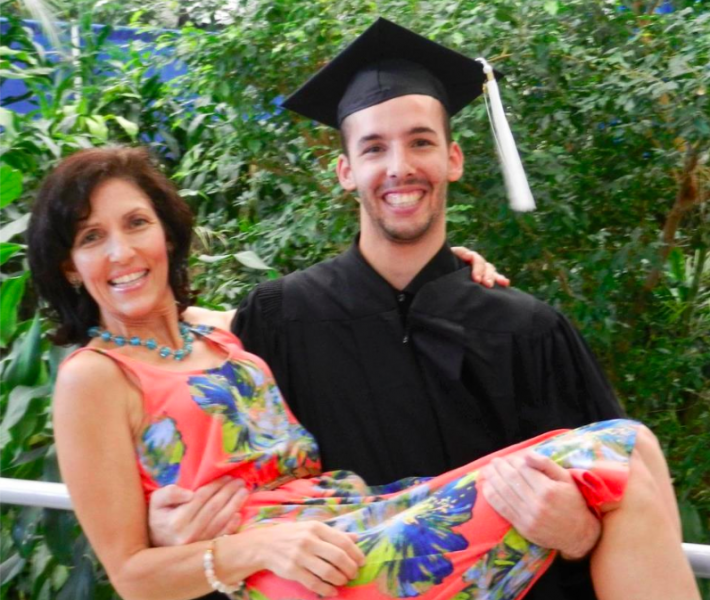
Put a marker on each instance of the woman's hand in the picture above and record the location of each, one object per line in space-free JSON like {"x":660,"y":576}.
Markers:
{"x":315,"y":555}
{"x":178,"y":516}
{"x":481,"y":270}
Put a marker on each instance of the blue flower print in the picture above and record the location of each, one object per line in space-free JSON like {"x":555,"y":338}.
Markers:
{"x":406,"y":538}
{"x":255,"y":424}
{"x":160,"y":451}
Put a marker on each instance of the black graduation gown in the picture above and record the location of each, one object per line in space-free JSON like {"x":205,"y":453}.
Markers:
{"x":396,"y":384}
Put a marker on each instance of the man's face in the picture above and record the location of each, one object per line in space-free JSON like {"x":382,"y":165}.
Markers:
{"x":400,"y":164}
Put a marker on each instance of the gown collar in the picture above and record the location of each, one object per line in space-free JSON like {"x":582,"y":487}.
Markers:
{"x":442,"y":263}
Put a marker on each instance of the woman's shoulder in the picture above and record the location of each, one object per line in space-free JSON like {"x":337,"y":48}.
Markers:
{"x":88,"y":367}
{"x":89,"y":378}
{"x":212,"y":318}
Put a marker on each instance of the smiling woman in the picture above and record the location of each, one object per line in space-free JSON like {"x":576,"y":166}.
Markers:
{"x":66,"y":227}
{"x":120,"y":254}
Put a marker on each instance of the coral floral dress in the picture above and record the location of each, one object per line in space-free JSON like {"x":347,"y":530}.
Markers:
{"x":423,"y":538}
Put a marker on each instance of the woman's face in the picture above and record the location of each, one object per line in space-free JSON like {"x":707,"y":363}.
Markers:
{"x":120,"y":253}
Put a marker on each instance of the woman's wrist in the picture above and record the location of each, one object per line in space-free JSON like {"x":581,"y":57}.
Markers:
{"x":219,"y":577}
{"x":238,"y":557}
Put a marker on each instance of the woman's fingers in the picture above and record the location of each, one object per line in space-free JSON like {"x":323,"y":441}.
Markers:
{"x":227,"y":519}
{"x":482,"y":271}
{"x":344,"y":541}
{"x":178,"y":516}
{"x":217,"y":506}
{"x":312,"y":582}
{"x":325,"y":570}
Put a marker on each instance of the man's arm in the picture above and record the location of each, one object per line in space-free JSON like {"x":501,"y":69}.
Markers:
{"x":559,"y":384}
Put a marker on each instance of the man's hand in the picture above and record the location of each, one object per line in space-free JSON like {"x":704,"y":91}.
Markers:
{"x":177,"y":516}
{"x":540,"y":499}
{"x":481,"y":270}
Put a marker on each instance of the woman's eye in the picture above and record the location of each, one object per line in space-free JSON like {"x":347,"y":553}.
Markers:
{"x":89,"y":237}
{"x":138,"y":221}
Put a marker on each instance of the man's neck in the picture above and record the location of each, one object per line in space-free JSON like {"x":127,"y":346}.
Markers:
{"x":399,"y":263}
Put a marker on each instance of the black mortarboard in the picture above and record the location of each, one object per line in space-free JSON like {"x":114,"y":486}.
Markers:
{"x":385,"y":62}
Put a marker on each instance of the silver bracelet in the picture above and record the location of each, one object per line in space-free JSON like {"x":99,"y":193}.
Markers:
{"x":216,"y":584}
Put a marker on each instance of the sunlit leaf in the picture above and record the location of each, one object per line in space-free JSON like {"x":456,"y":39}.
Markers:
{"x":10,"y":185}
{"x":8,"y":250}
{"x":128,"y":126}
{"x":10,"y":568}
{"x":13,"y":228}
{"x":251,"y":259}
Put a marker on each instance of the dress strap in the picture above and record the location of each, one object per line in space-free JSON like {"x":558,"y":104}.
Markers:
{"x":219,"y":336}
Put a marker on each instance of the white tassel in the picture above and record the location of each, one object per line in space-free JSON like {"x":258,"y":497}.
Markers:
{"x":516,"y":182}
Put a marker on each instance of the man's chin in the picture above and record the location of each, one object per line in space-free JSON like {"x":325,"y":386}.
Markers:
{"x":405,"y":237}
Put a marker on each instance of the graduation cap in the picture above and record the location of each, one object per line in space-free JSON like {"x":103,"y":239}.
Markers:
{"x":388,"y":61}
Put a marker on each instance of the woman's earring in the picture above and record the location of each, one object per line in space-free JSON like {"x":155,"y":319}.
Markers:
{"x":75,"y":282}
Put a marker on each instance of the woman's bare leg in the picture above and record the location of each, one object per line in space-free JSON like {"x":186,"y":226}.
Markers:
{"x":639,"y":556}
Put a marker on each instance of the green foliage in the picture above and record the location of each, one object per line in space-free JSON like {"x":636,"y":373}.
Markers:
{"x":608,"y":102}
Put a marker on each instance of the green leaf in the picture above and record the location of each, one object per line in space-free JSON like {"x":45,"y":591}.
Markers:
{"x":41,"y":566}
{"x":11,"y":292}
{"x":128,"y":126}
{"x":23,"y":530}
{"x":26,"y":365}
{"x":552,"y":7}
{"x":97,"y":127}
{"x":693,"y":530}
{"x":206,"y":258}
{"x":81,"y":582}
{"x":14,"y":228}
{"x":10,"y":568}
{"x":8,"y":250}
{"x":10,"y":185}
{"x":7,"y":122}
{"x":251,"y":259}
{"x":59,"y":526}
{"x":20,"y":399}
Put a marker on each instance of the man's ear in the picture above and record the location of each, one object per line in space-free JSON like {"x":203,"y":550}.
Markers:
{"x":456,"y":161}
{"x":345,"y":173}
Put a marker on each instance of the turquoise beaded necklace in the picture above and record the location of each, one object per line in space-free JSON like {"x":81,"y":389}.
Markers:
{"x":150,"y":343}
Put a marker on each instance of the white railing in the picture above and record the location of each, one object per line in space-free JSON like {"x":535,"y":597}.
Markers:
{"x":34,"y":493}
{"x":55,"y":495}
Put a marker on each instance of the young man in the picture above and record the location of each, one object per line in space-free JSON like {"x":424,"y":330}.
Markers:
{"x":396,"y":362}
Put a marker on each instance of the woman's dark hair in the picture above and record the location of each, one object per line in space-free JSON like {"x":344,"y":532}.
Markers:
{"x":65,"y":198}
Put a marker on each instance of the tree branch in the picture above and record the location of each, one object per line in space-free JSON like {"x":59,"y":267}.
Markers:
{"x":653,"y":7}
{"x":687,"y":197}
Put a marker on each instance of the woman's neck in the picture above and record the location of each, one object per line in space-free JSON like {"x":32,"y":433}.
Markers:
{"x":163,"y":326}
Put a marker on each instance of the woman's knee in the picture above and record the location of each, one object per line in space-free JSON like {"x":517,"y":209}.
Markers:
{"x":647,"y":444}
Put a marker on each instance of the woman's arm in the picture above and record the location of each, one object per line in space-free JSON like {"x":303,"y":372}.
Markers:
{"x":96,"y":410}
{"x":482,"y":271}
{"x":214,"y":318}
